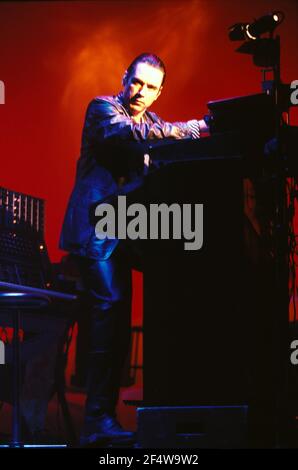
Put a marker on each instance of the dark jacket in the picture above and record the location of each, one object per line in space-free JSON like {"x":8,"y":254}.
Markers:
{"x":112,"y":148}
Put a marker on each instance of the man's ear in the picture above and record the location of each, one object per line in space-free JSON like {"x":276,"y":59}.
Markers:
{"x":158,"y":93}
{"x":124,"y":79}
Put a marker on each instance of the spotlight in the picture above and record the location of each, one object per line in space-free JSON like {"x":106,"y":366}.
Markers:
{"x":252,"y":31}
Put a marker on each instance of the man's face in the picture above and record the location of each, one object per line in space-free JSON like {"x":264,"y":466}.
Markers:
{"x":141,"y":88}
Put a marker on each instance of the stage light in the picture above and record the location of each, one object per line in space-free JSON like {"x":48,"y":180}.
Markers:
{"x":252,"y":31}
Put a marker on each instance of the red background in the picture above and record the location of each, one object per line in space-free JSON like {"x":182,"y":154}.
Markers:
{"x":55,"y":56}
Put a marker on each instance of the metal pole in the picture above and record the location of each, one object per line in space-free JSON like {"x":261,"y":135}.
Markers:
{"x":16,"y":413}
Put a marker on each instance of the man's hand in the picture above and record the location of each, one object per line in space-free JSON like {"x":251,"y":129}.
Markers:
{"x":146,"y":160}
{"x":197,"y":128}
{"x":203,"y":126}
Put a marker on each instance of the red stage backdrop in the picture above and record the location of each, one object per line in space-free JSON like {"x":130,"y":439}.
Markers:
{"x":56,"y":56}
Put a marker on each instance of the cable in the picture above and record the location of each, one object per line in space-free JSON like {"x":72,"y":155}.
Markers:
{"x":292,"y":197}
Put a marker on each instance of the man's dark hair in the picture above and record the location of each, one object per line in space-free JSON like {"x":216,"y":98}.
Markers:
{"x":150,"y":59}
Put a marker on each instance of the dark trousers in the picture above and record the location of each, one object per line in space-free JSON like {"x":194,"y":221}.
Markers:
{"x":108,"y":284}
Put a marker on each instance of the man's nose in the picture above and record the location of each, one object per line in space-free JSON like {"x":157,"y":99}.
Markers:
{"x":142,"y":90}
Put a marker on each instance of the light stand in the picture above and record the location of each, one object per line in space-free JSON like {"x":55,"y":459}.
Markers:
{"x":266,"y":53}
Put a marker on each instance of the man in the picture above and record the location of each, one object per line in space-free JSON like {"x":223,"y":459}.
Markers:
{"x":110,"y":160}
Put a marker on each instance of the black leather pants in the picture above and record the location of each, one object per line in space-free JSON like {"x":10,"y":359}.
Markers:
{"x":109,"y":288}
